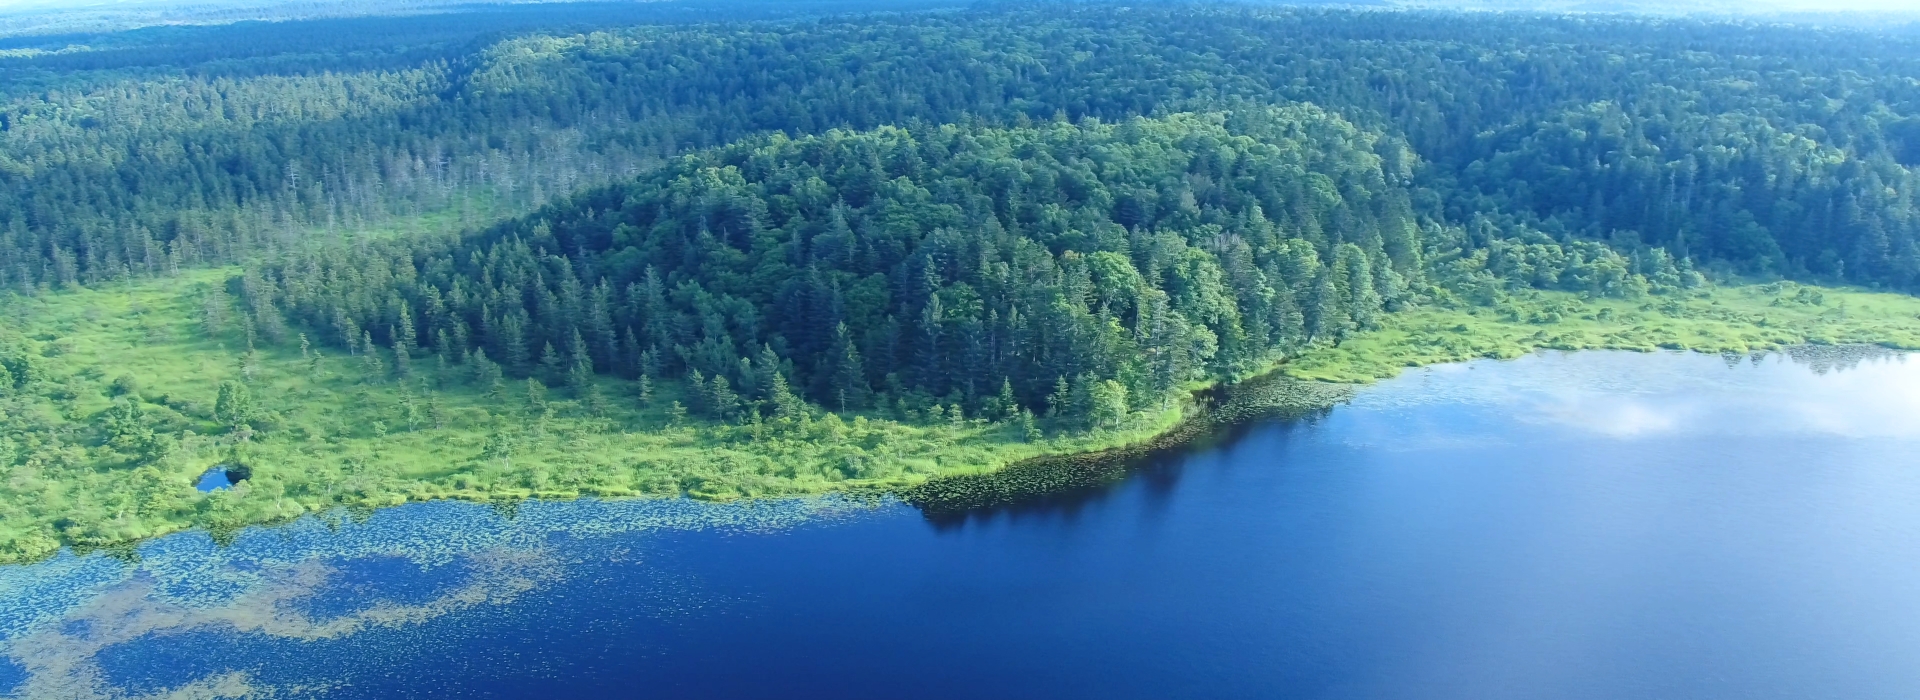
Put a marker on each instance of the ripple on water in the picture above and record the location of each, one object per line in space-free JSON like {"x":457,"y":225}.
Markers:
{"x":194,"y":615}
{"x":285,"y":610}
{"x":156,"y":664}
{"x":11,"y":676}
{"x":356,"y":585}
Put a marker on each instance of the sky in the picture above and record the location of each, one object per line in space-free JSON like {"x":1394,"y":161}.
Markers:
{"x":1715,"y":6}
{"x":1654,"y":6}
{"x":1791,"y":5}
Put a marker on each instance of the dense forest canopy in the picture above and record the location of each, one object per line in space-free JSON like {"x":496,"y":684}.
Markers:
{"x":1763,"y":150}
{"x":1069,"y":198}
{"x":995,"y":268}
{"x":1070,"y":267}
{"x":135,"y":32}
{"x":631,"y":250}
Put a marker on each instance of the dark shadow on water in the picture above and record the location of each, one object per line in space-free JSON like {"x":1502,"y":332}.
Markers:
{"x":1155,"y":473}
{"x":1063,"y":487}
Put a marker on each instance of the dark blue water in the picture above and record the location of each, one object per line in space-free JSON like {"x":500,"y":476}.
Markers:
{"x":1585,"y":526}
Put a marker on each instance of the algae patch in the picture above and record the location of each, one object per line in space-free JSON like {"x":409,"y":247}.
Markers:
{"x":58,"y":617}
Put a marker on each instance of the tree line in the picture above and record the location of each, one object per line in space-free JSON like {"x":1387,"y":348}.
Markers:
{"x":1757,"y":149}
{"x":1078,"y":271}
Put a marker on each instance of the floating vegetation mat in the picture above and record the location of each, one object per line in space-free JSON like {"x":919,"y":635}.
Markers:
{"x":59,"y":618}
{"x":1215,"y":410}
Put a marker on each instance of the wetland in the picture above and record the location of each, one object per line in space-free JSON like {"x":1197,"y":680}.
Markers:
{"x":1579,"y":525}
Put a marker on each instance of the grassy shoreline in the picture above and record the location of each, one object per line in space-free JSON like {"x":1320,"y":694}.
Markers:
{"x":1268,"y":394}
{"x":330,"y":439}
{"x":1739,"y":319}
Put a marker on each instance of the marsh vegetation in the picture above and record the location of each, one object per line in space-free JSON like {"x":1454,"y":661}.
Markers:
{"x":749,"y":259}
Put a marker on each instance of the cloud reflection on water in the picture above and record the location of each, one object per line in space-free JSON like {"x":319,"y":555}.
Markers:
{"x":1850,"y":393}
{"x":58,"y":618}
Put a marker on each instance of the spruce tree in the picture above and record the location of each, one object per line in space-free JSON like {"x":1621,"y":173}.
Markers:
{"x":536,"y":394}
{"x":1005,"y":405}
{"x":370,"y":357}
{"x":579,"y":365}
{"x":722,"y":402}
{"x":1060,"y":402}
{"x":845,"y":379}
{"x":697,"y":393}
{"x":402,"y":366}
{"x":1325,"y":317}
{"x":550,"y":363}
{"x":785,"y":404}
{"x":403,"y":337}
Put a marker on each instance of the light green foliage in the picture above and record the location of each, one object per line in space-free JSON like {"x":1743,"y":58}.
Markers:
{"x":1742,"y":318}
{"x":1108,"y":403}
{"x":889,"y":271}
{"x":127,"y":470}
{"x":86,"y":468}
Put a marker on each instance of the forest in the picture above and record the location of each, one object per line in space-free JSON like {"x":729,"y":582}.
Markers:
{"x":596,"y":251}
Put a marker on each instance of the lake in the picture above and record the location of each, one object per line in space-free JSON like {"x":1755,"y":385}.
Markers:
{"x":1565,"y":525}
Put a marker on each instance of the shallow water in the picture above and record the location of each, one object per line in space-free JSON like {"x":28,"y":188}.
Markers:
{"x":213,"y":479}
{"x":1590,"y":525}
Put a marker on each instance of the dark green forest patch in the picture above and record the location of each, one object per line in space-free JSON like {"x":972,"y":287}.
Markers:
{"x":880,"y":253}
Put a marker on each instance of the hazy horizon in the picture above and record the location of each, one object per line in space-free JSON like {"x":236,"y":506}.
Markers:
{"x":1688,"y":6}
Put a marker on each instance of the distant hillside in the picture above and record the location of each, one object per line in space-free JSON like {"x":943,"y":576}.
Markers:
{"x":37,"y":21}
{"x":1838,"y":12}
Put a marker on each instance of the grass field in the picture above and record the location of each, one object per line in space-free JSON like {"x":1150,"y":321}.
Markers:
{"x":1727,"y":319}
{"x":104,"y":446}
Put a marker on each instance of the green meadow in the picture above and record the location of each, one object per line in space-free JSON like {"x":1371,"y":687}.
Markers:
{"x":105,"y":440}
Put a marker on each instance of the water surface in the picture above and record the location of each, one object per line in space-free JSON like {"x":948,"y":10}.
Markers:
{"x":1590,"y":525}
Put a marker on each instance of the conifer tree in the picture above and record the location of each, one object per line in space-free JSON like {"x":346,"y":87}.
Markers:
{"x":579,"y":364}
{"x":536,"y":395}
{"x":1029,"y":431}
{"x":1005,"y":405}
{"x":550,"y":362}
{"x":1325,"y":316}
{"x":785,"y":404}
{"x":634,"y":359}
{"x":698,"y":393}
{"x":233,"y":404}
{"x":370,"y":357}
{"x":403,"y":337}
{"x":1060,"y":402}
{"x":722,"y":402}
{"x":843,"y":376}
{"x":514,"y":343}
{"x":402,"y":366}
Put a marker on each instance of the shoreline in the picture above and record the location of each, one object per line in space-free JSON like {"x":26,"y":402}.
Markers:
{"x":1266,"y":395}
{"x":940,"y":467}
{"x":1208,"y":412}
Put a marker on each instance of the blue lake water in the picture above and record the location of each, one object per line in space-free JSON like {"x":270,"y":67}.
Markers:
{"x":1587,"y":525}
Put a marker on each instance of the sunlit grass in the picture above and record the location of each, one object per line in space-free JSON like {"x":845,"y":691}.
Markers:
{"x":334,"y":438}
{"x":1738,"y":319}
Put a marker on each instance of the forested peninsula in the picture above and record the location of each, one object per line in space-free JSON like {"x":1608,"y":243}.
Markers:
{"x":763,"y":259}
